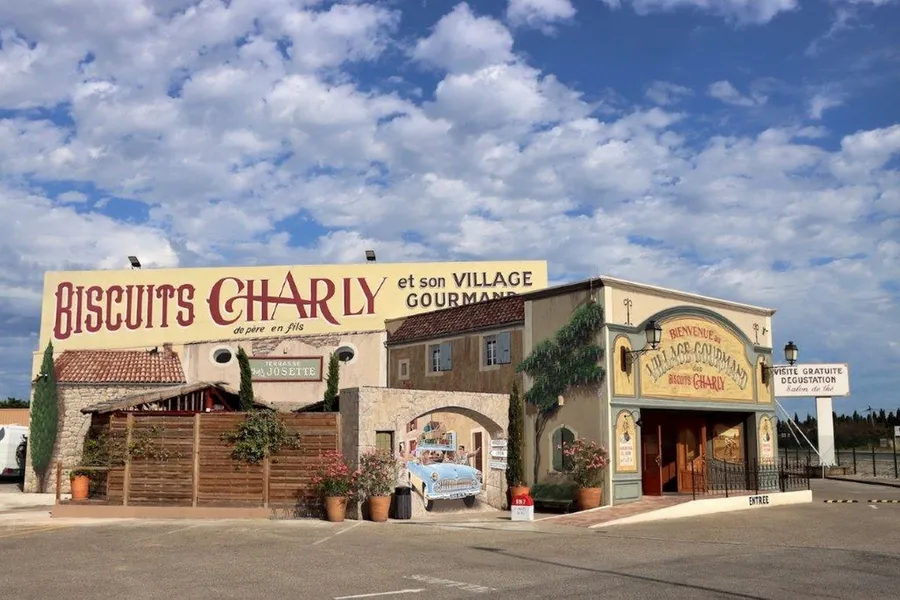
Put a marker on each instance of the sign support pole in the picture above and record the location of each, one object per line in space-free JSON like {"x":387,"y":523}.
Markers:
{"x":825,"y":425}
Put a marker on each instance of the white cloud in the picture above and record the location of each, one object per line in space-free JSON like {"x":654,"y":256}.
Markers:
{"x":462,"y":42}
{"x":819,"y":103}
{"x":727,"y":93}
{"x":539,"y":14}
{"x":742,"y":11}
{"x":665,"y":93}
{"x":224,"y":148}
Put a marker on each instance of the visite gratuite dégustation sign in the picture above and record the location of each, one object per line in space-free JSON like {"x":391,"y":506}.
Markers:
{"x":109,"y":309}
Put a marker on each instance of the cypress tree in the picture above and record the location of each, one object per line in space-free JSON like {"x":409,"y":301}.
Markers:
{"x":332,"y":390}
{"x":44,"y":418}
{"x":515,"y":467}
{"x":245,"y":395}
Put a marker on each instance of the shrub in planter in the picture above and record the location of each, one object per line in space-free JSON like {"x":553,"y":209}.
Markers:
{"x":80,"y":483}
{"x":336,"y":483}
{"x":377,"y":478}
{"x":588,"y":460}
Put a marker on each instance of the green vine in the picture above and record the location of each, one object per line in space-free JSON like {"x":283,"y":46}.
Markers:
{"x":260,"y":434}
{"x":109,"y":449}
{"x":569,"y":359}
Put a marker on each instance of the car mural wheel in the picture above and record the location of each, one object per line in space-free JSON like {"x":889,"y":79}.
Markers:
{"x":469,"y":501}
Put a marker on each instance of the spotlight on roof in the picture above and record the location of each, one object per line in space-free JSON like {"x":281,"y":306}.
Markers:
{"x":135,"y":263}
{"x":370,"y":255}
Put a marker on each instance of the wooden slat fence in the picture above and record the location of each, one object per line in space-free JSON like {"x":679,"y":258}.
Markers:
{"x":199,"y":469}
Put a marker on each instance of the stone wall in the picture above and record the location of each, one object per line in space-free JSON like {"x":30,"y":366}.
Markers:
{"x":73,"y":426}
{"x":366,"y":410}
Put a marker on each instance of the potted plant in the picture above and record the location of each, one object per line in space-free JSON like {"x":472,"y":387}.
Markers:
{"x":80,"y":483}
{"x":335,"y":482}
{"x":377,"y":478}
{"x":587,"y":460}
{"x":515,"y":467}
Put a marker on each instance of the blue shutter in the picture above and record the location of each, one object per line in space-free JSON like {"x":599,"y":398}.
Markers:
{"x":446,"y":357}
{"x":503,"y":348}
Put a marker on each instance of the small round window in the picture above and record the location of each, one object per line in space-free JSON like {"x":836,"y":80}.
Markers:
{"x":222,"y":356}
{"x":345,"y":354}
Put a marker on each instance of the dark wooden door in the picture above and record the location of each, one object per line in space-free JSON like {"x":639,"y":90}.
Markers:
{"x":651,"y":473}
{"x":478,"y":449}
{"x":691,"y":455}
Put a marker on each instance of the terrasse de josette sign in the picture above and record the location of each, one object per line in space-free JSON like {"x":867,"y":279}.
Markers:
{"x":136,"y":308}
{"x":811,"y":380}
{"x":286,"y":368}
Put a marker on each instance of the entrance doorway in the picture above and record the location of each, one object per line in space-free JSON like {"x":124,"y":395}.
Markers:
{"x":478,"y":449}
{"x":673,"y":452}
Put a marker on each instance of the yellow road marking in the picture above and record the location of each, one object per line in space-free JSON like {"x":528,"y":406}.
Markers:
{"x":33,"y":529}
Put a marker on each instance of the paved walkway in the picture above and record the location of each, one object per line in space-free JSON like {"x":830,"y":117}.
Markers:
{"x":606,"y":514}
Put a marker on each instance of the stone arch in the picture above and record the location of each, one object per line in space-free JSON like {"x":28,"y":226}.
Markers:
{"x":368,"y":410}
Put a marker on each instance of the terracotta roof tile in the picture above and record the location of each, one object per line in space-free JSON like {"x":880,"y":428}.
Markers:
{"x":468,"y":317}
{"x":119,"y":366}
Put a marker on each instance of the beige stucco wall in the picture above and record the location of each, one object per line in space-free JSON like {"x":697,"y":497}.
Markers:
{"x":647,"y":302}
{"x":73,"y":426}
{"x":368,"y":367}
{"x":367,"y":410}
{"x":581,"y":410}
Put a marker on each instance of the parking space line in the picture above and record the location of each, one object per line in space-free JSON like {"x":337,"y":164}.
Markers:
{"x":29,"y":530}
{"x":345,"y":530}
{"x":397,"y":592}
{"x":461,"y":585}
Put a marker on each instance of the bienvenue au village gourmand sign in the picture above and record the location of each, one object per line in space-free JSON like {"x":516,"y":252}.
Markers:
{"x":697,"y":358}
{"x":109,"y":309}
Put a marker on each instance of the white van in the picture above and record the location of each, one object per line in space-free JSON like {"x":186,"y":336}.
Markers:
{"x":11,"y":437}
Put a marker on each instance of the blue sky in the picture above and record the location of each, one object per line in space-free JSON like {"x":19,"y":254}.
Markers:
{"x":742,"y":149}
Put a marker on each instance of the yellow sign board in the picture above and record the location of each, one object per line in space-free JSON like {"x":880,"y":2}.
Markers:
{"x":140,"y":308}
{"x":626,"y":443}
{"x":697,"y":359}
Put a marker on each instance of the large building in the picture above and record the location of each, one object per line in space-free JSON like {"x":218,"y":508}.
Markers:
{"x":663,"y":410}
{"x":120,"y":335}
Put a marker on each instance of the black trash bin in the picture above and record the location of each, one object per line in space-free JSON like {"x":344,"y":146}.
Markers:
{"x":402,"y":503}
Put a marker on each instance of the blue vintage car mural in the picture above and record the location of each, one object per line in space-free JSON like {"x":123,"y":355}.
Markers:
{"x":434,"y":475}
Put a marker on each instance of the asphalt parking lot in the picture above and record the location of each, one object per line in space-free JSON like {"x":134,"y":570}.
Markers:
{"x":809,"y":551}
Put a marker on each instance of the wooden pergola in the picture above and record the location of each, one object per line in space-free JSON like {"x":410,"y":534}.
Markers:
{"x":183,"y":399}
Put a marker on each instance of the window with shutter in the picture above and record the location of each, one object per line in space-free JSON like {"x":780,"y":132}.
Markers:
{"x":490,"y":350}
{"x":434,"y":363}
{"x":384,"y":441}
{"x":446,"y":357}
{"x":561,"y":438}
{"x":504,"y":355}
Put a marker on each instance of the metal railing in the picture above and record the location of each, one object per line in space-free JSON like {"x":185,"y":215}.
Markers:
{"x":710,"y":477}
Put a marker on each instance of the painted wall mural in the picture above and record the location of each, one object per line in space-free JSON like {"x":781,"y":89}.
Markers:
{"x":626,"y":443}
{"x":728,"y":442}
{"x":697,"y":358}
{"x":137,"y":308}
{"x":766,"y":439}
{"x":439,"y":467}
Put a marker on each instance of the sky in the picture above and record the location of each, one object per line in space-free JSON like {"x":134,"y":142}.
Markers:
{"x":745,"y":149}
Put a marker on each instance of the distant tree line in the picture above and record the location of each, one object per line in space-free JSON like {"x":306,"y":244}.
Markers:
{"x":11,"y":402}
{"x":850,"y":431}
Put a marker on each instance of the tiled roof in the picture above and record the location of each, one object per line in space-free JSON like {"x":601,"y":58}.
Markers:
{"x":479,"y":315}
{"x":119,"y":366}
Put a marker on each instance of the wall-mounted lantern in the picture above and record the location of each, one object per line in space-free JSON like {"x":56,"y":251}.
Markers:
{"x":653,"y":333}
{"x":790,"y":356}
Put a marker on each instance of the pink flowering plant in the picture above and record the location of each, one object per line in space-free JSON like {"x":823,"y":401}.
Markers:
{"x":377,"y":473}
{"x":335,"y":478}
{"x":587,"y":461}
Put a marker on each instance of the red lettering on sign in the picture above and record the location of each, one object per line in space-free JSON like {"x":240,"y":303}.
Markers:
{"x":93,"y":309}
{"x":694,"y":331}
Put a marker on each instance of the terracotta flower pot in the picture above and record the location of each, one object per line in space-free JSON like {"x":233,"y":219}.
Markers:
{"x":80,"y":486}
{"x":518,"y":490}
{"x":587,"y":498}
{"x":335,"y":508}
{"x":379,"y":506}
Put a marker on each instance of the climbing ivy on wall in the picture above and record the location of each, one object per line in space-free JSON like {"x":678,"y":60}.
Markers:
{"x":569,"y":359}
